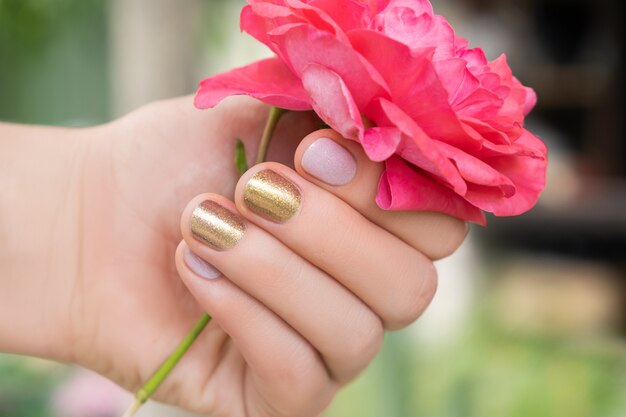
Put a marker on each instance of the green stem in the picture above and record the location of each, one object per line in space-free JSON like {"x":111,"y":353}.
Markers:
{"x":146,"y":391}
{"x":272,"y":121}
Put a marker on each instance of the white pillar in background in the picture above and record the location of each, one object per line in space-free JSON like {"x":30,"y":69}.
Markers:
{"x":153,"y":46}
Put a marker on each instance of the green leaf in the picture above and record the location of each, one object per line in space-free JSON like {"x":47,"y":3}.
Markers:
{"x":240,"y":157}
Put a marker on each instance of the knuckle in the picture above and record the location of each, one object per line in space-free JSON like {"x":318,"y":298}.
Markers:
{"x":403,"y":314}
{"x":297,"y":368}
{"x":365,"y":340}
{"x":302,"y":395}
{"x":429,"y":287}
{"x":452,"y":238}
{"x":293,"y":373}
{"x":305,"y":380}
{"x":413,"y":297}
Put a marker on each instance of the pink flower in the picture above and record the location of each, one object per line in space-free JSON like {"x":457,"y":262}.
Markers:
{"x":448,"y":123}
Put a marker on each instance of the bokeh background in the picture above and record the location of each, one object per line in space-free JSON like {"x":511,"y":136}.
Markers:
{"x":530,"y":319}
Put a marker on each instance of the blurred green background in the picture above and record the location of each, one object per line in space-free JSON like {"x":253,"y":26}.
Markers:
{"x":530,"y":319}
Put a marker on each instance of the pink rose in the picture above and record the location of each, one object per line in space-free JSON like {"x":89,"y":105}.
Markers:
{"x":448,"y":123}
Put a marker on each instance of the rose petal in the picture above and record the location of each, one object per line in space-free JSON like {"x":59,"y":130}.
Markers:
{"x":476,"y":59}
{"x":418,"y":7}
{"x":349,"y":14}
{"x":477,"y":172}
{"x":324,"y":49}
{"x":380,"y":143}
{"x":480,"y":104}
{"x":501,"y":67}
{"x":403,"y":188}
{"x":277,"y":2}
{"x":530,"y":100}
{"x":460,"y":44}
{"x":486,"y":131}
{"x":513,"y":108}
{"x":332,"y":100}
{"x":416,"y":146}
{"x":527,"y":173}
{"x":377,"y":6}
{"x":414,"y":85}
{"x":318,"y":18}
{"x":417,"y":28}
{"x":456,"y":78}
{"x":260,"y":18}
{"x":269,"y":81}
{"x":271,"y":11}
{"x":339,"y":16}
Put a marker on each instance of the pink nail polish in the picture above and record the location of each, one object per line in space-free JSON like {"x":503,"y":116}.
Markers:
{"x":199,"y":266}
{"x":330,"y":162}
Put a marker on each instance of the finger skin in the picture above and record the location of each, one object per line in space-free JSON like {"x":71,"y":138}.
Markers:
{"x":434,"y":234}
{"x":392,"y":278}
{"x":284,"y":372}
{"x":345,"y":331}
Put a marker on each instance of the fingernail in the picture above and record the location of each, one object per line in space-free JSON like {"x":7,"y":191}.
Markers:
{"x":330,"y":162}
{"x":272,"y":196}
{"x":199,"y":266}
{"x":218,"y":227}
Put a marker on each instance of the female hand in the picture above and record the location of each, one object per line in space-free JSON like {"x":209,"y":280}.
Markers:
{"x":301,"y":307}
{"x":302,"y":274}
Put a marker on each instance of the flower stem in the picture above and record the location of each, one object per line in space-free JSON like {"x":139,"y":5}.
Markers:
{"x":272,"y":121}
{"x":134,"y":407}
{"x":146,"y":391}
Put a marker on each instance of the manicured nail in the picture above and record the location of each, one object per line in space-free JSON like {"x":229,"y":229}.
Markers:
{"x":199,"y":266}
{"x":272,"y":196}
{"x":330,"y":162}
{"x":217,"y":226}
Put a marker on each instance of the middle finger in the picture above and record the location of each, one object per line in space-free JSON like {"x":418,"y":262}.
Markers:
{"x":396,"y":281}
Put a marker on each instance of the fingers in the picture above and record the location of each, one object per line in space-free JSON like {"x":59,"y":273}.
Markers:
{"x":338,"y":324}
{"x":312,"y":254}
{"x":391,"y":277}
{"x":279,"y":358}
{"x":341,"y":167}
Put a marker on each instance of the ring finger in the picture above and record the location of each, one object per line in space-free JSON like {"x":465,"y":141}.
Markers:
{"x":339,"y":325}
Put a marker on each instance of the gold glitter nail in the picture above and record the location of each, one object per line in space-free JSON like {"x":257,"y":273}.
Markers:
{"x":217,"y":226}
{"x":272,"y":196}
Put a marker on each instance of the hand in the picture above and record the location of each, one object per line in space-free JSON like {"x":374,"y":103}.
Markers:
{"x":126,"y":306}
{"x":302,"y":274}
{"x":114,"y":299}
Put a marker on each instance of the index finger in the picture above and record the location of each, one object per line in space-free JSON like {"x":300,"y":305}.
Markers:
{"x":341,"y":167}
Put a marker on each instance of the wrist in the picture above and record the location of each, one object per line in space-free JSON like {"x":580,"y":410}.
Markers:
{"x":40,"y":238}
